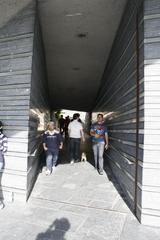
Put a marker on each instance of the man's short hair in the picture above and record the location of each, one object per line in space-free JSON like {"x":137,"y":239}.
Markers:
{"x":100,"y":114}
{"x":76,"y":116}
{"x":50,"y":122}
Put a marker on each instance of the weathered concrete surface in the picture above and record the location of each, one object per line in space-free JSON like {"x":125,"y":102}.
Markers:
{"x":74,"y":203}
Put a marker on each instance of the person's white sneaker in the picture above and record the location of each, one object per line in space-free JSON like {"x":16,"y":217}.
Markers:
{"x":53,"y":168}
{"x":48,"y":172}
{"x":72,"y":161}
{"x":1,"y":205}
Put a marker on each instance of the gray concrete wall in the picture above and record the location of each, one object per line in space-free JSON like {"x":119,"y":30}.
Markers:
{"x":150,"y":167}
{"x":121,"y":98}
{"x":130,"y":98}
{"x":23,"y":99}
{"x":16,"y":45}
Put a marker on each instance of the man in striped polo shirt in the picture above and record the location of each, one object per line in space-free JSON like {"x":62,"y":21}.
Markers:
{"x":3,"y":149}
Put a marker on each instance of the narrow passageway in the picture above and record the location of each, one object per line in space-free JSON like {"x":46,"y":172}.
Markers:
{"x":93,"y":56}
{"x":78,"y":184}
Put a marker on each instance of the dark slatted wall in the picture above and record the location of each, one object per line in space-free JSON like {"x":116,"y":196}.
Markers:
{"x":118,"y":98}
{"x":39,"y":106}
{"x":16,"y":44}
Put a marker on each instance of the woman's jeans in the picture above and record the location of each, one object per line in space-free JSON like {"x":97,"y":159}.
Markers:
{"x":98,"y":150}
{"x":51,"y":159}
{"x":74,"y":146}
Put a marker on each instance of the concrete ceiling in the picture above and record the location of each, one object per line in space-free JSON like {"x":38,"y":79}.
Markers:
{"x":78,"y":35}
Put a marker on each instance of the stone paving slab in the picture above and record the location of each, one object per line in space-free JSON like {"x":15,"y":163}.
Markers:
{"x":27,"y":221}
{"x":80,"y":184}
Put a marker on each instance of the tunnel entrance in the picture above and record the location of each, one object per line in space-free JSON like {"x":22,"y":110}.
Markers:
{"x":96,"y":64}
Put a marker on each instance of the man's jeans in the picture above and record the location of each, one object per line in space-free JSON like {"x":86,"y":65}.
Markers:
{"x":74,"y":145}
{"x":98,"y":150}
{"x":1,"y":165}
{"x":51,"y":159}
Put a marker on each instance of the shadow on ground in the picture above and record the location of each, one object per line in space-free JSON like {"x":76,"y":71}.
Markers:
{"x":56,"y":230}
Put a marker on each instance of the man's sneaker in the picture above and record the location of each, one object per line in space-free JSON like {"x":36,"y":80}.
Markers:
{"x":72,"y":161}
{"x":48,"y":172}
{"x":1,"y":205}
{"x":101,"y":172}
{"x":53,"y":168}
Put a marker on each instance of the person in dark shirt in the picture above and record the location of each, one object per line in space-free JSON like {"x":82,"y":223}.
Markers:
{"x":52,"y":142}
{"x":61,"y":124}
{"x":67,"y":121}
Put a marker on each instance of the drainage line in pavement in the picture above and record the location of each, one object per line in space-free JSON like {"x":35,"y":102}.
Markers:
{"x":80,"y":205}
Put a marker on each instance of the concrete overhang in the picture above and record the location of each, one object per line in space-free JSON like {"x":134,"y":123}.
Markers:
{"x":78,"y":36}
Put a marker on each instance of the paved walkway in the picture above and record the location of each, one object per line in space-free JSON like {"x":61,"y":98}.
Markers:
{"x":74,"y":203}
